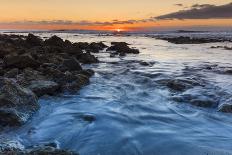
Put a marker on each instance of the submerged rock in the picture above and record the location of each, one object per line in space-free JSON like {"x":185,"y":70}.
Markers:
{"x":179,"y":84}
{"x":17,"y":104}
{"x":226,"y":106}
{"x":198,"y":96}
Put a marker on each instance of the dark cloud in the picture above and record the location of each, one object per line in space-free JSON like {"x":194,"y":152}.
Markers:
{"x":179,"y":4}
{"x":201,"y":6}
{"x":205,"y":11}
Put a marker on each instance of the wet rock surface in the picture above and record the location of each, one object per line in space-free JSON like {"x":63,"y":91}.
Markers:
{"x":121,"y":49}
{"x":16,"y":148}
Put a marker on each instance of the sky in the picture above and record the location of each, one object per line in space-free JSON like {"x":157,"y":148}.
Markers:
{"x":125,"y":15}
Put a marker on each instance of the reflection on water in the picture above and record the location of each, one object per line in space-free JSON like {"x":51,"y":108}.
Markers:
{"x":134,"y":111}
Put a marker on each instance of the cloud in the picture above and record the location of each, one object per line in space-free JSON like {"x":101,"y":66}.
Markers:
{"x":204,"y":11}
{"x":179,"y":4}
{"x":201,"y":6}
{"x":78,"y":23}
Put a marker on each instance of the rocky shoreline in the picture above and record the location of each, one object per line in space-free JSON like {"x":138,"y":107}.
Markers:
{"x":31,"y":67}
{"x":192,"y":40}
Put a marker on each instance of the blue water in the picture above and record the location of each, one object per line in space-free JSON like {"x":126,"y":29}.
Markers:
{"x":135,"y":114}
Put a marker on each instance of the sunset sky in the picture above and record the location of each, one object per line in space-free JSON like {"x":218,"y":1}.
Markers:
{"x":114,"y":14}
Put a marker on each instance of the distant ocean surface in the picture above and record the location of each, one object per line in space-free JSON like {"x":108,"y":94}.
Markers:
{"x":136,"y":114}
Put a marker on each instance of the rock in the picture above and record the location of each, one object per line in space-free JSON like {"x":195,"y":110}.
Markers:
{"x":48,"y":150}
{"x":226,"y":106}
{"x":228,"y":71}
{"x":95,"y":47}
{"x":190,"y":40}
{"x":73,"y":83}
{"x":70,"y":65}
{"x":33,"y":40}
{"x":198,"y":97}
{"x":7,"y":145}
{"x":89,"y":118}
{"x":20,"y":61}
{"x":181,"y":84}
{"x":12,"y":73}
{"x":87,"y":58}
{"x":39,"y":150}
{"x":17,"y":104}
{"x":42,"y":87}
{"x":87,"y":72}
{"x":143,"y":63}
{"x":122,"y":48}
{"x":81,"y":45}
{"x":54,"y":41}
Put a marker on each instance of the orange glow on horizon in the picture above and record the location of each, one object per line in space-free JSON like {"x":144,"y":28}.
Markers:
{"x":124,"y":27}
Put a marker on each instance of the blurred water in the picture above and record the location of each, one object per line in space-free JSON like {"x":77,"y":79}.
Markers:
{"x":134,"y":114}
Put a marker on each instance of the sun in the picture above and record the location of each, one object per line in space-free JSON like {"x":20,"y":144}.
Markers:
{"x":118,"y":30}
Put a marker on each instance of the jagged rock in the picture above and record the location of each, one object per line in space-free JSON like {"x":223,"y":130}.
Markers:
{"x":87,"y":58}
{"x":70,"y":65}
{"x":17,"y":104}
{"x":20,"y":61}
{"x":122,"y":48}
{"x":42,"y":87}
{"x":33,"y":40}
{"x":95,"y":47}
{"x":12,"y":73}
{"x":73,"y":83}
{"x":54,"y":41}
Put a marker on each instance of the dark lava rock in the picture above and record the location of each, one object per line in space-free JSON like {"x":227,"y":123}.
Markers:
{"x":20,"y":61}
{"x":70,"y":65}
{"x":54,"y":41}
{"x":122,"y":48}
{"x":87,"y":58}
{"x":42,"y":87}
{"x":95,"y":47}
{"x":12,"y":73}
{"x":17,"y":104}
{"x":33,"y":40}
